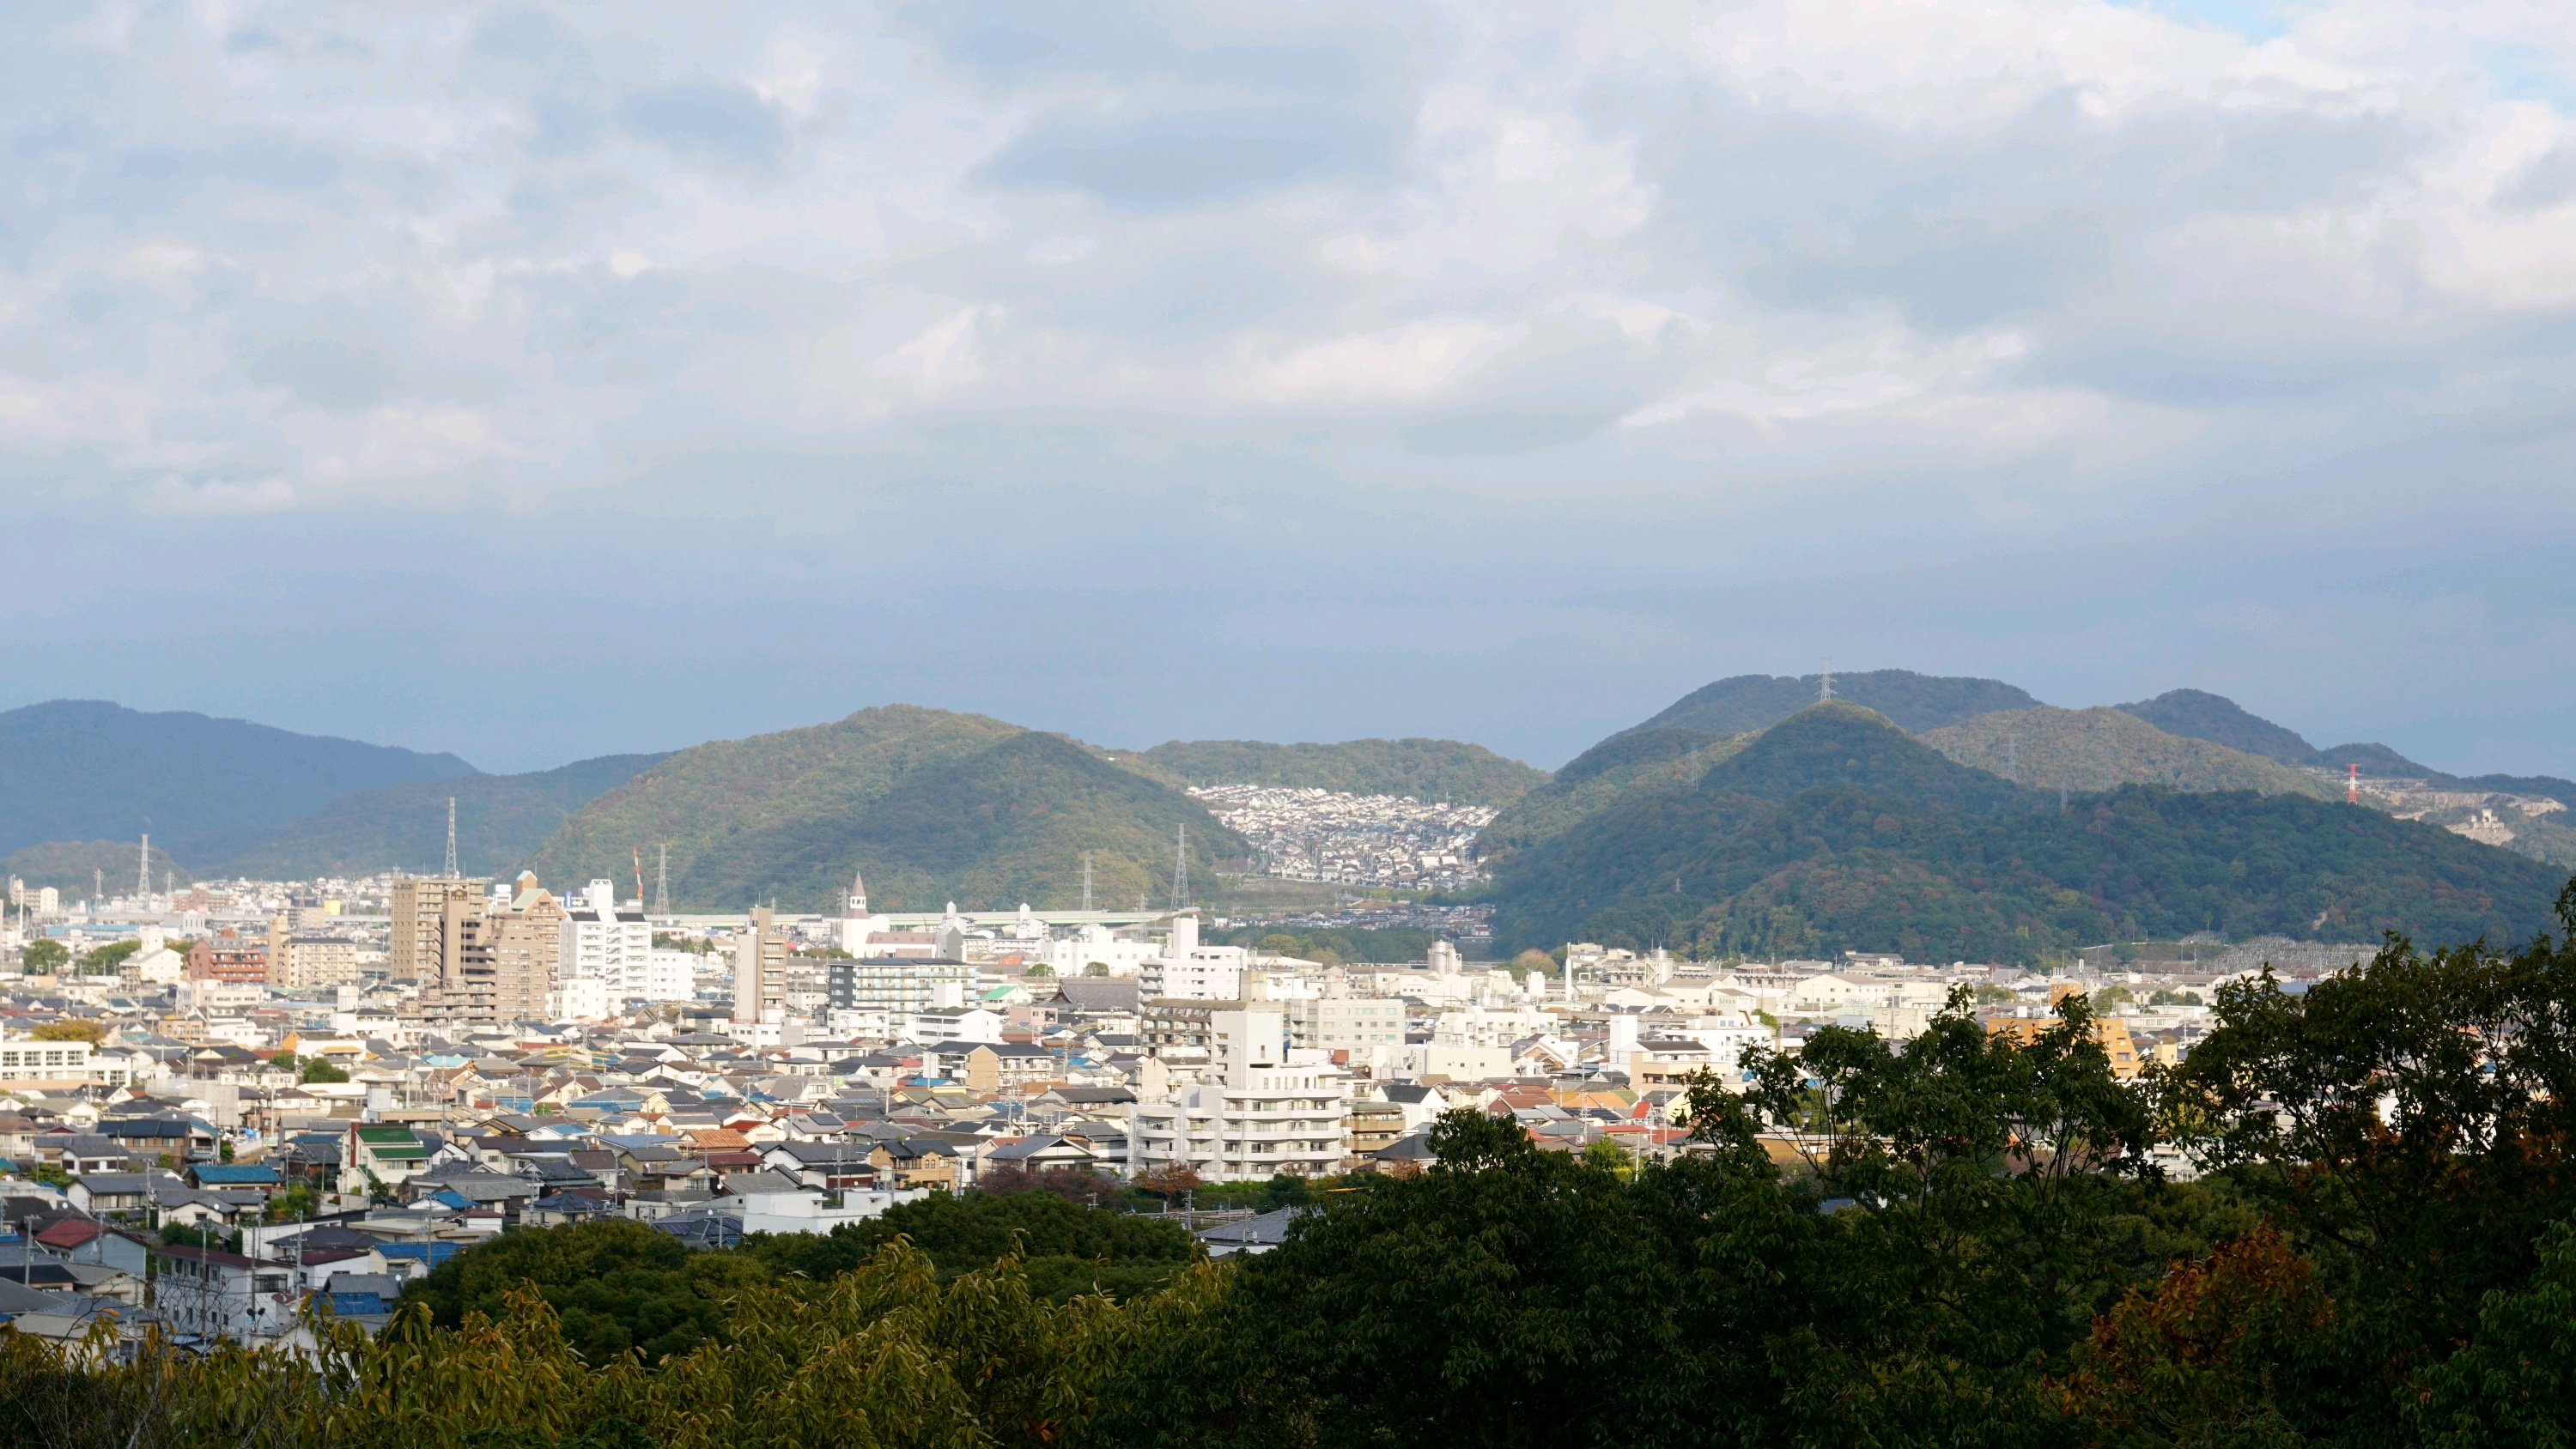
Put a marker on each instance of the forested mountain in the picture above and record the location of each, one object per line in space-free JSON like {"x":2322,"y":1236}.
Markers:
{"x":2197,"y":714}
{"x":1836,"y":830}
{"x":77,"y":770}
{"x":932,"y":806}
{"x":1914,"y":701}
{"x":501,"y":820}
{"x":1449,"y":771}
{"x":1663,"y":757}
{"x":75,"y":867}
{"x":2099,"y":749}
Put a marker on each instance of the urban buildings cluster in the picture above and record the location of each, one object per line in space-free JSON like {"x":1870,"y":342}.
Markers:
{"x":1364,"y":840}
{"x":211,"y":1113}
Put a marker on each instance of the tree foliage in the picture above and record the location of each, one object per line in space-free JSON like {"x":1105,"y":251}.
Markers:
{"x":1836,"y":828}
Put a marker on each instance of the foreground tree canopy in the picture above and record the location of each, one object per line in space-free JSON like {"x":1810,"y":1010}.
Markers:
{"x":1967,"y":1240}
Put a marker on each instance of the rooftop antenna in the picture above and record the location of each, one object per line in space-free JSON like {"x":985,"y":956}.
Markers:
{"x":1086,"y":880}
{"x":1181,"y":868}
{"x":451,"y":837}
{"x":1825,"y":682}
{"x":662,"y":883}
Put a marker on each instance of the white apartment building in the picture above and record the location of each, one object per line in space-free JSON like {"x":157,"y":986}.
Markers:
{"x":1342,"y":1022}
{"x":612,"y":947}
{"x":1259,"y":1118}
{"x":1075,"y":954}
{"x":898,"y":986}
{"x":1189,"y":971}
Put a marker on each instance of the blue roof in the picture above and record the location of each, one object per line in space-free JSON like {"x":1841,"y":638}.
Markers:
{"x":348,"y":1305}
{"x":432,"y":1253}
{"x":240,"y":1174}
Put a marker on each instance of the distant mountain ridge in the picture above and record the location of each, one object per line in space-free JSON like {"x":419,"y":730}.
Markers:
{"x":2216,"y":718}
{"x":1915,"y":702}
{"x":86,"y":770}
{"x":2102,"y":748}
{"x":932,"y":805}
{"x":1837,"y":830}
{"x":501,"y":821}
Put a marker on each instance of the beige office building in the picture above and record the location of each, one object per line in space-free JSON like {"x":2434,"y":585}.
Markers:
{"x":760,"y":971}
{"x":495,"y":962}
{"x":411,"y":954}
{"x":300,"y":961}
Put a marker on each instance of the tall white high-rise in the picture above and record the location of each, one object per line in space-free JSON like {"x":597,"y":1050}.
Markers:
{"x":605,"y":945}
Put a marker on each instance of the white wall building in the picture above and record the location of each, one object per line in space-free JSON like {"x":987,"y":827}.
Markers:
{"x":1258,"y":1118}
{"x":600,"y":943}
{"x":1189,"y":971}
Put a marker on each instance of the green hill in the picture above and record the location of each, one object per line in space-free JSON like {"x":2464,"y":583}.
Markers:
{"x":1914,"y":701}
{"x":1449,"y":771}
{"x":73,"y":770}
{"x":932,"y":806}
{"x":1665,"y":757}
{"x":1836,"y":831}
{"x":501,"y":820}
{"x":66,"y":865}
{"x":2199,"y":715}
{"x":2098,"y":749}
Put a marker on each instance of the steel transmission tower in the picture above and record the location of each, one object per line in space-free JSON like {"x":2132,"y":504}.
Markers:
{"x":662,"y":883}
{"x":451,"y":837}
{"x":1181,"y":869}
{"x":1086,"y":880}
{"x":143,"y":875}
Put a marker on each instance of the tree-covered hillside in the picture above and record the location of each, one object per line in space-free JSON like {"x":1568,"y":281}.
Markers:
{"x":1837,"y":831}
{"x":1914,"y":701}
{"x":1638,"y":761}
{"x":932,"y":806}
{"x":1448,"y":771}
{"x":501,"y":820}
{"x":2197,"y":714}
{"x":2098,"y":749}
{"x":75,"y":770}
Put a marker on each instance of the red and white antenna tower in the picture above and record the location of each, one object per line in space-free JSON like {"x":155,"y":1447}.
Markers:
{"x":2352,"y":783}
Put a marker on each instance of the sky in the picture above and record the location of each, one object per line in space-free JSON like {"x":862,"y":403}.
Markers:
{"x":543,"y":382}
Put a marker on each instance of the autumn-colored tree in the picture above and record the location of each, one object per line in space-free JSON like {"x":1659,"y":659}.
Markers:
{"x":2191,"y":1360}
{"x":1167,"y":1180}
{"x":88,"y":1031}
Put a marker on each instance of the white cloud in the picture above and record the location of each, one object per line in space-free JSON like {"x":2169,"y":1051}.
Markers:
{"x":429,"y":257}
{"x":1412,"y":363}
